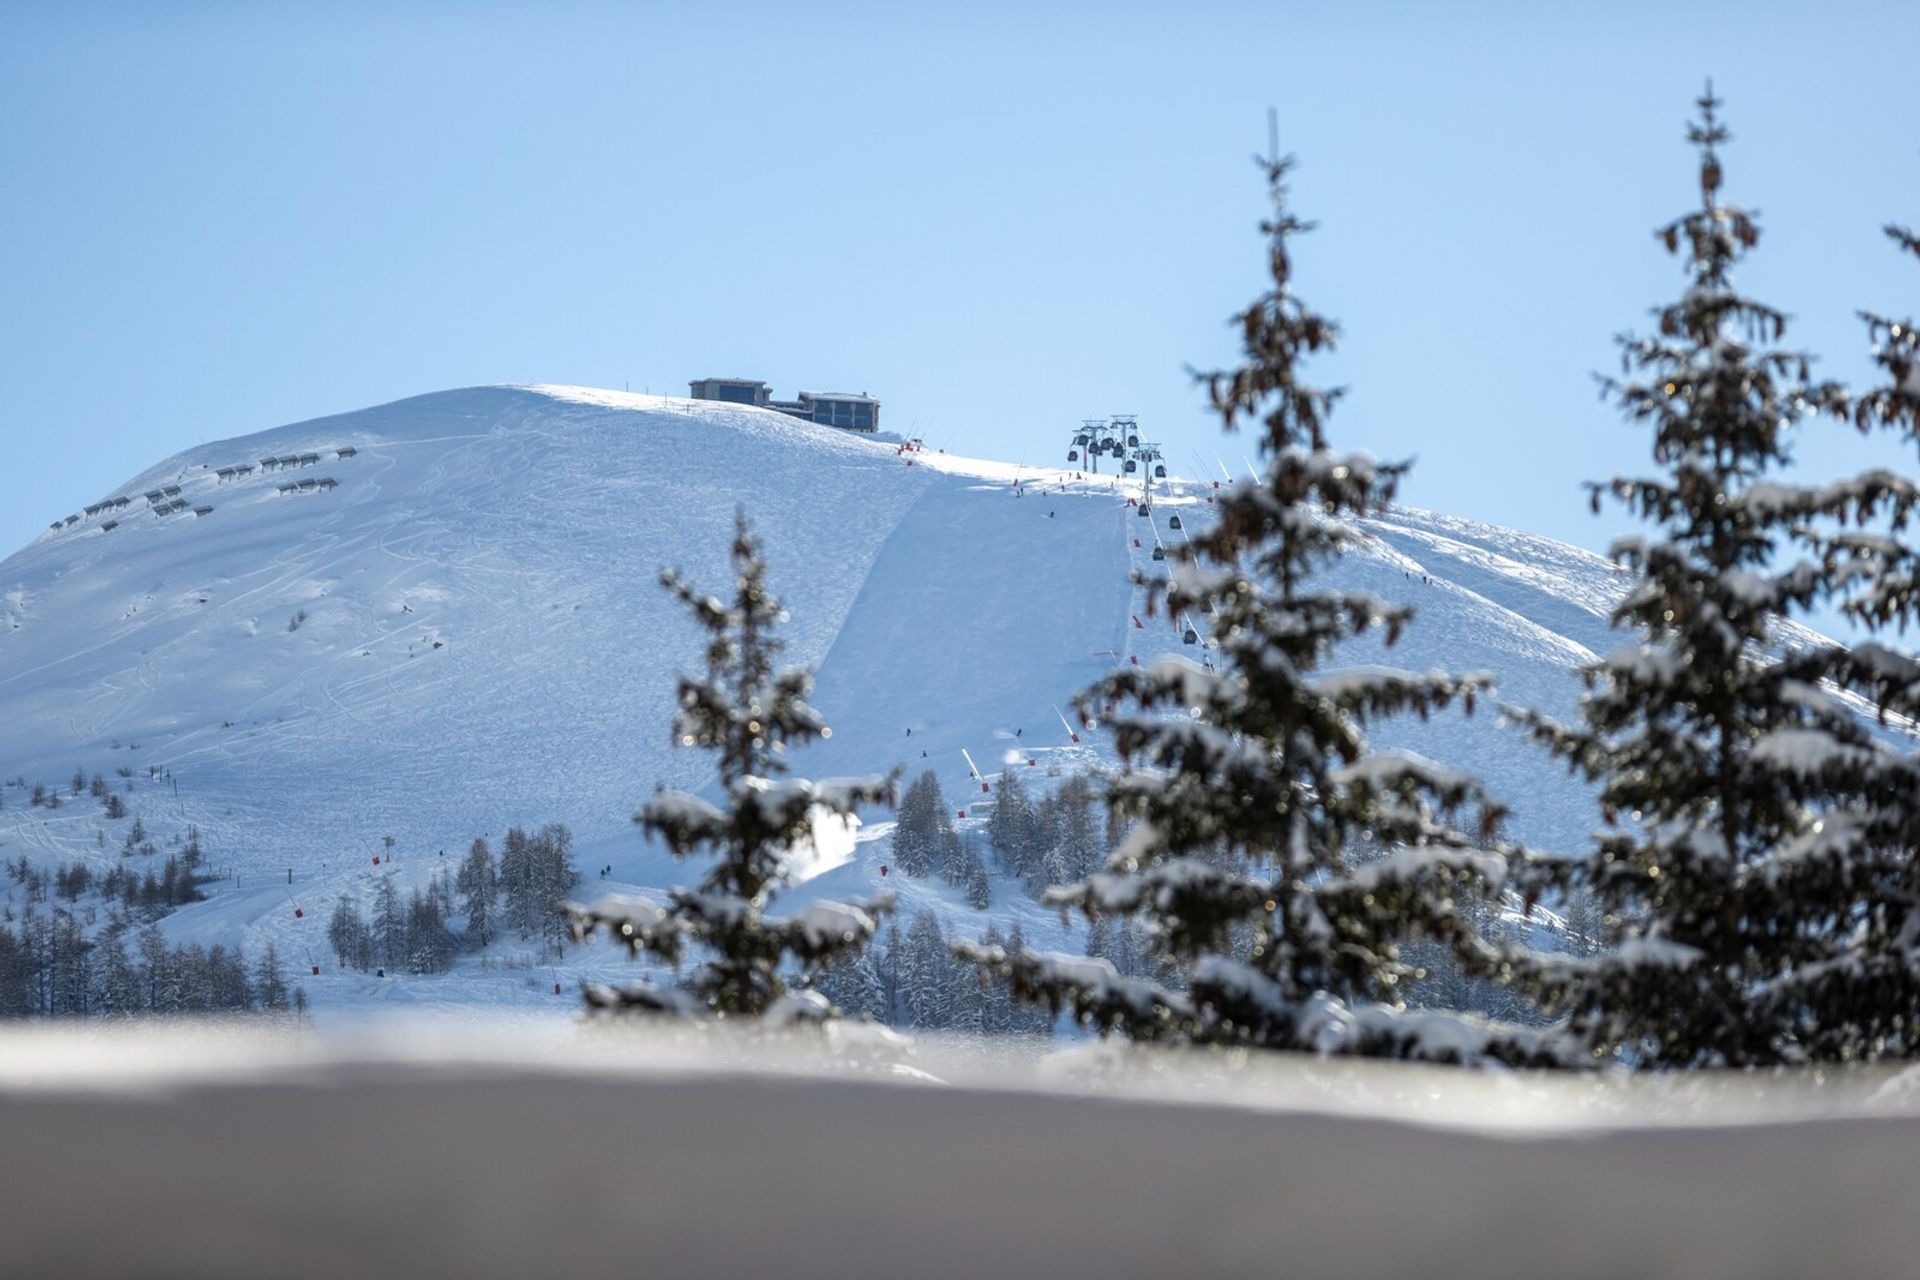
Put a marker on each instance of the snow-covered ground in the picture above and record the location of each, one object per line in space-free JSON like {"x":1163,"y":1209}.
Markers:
{"x":482,"y":1154}
{"x":464,"y":631}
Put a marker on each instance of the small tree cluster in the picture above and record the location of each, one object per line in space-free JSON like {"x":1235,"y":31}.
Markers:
{"x":49,"y":967}
{"x":535,"y":878}
{"x":1122,"y":945}
{"x":350,"y":936}
{"x":913,"y":979}
{"x":1055,"y":840}
{"x":149,"y":895}
{"x":410,"y":934}
{"x":1001,"y":1012}
{"x":925,"y":842}
{"x":524,"y":892}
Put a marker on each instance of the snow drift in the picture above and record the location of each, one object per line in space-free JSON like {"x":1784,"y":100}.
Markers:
{"x":177,"y":1154}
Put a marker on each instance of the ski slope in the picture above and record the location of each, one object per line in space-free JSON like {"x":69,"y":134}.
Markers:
{"x":464,"y":631}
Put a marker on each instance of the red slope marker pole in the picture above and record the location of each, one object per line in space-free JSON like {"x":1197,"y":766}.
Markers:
{"x":1064,"y":725}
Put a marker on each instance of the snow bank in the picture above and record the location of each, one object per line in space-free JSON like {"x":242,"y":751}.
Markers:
{"x":484,"y":1155}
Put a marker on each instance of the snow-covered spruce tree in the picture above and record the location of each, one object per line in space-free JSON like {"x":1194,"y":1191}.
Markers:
{"x":389,"y":925}
{"x":930,"y":990}
{"x":349,"y":936}
{"x":1250,"y":788}
{"x":1011,"y":827}
{"x":979,"y":884}
{"x":748,"y":715}
{"x":853,"y":985}
{"x":1891,"y":596}
{"x":1865,"y":1004}
{"x":270,"y":982}
{"x":479,"y":885}
{"x":1896,"y":349}
{"x":1074,"y":847}
{"x":1757,"y":837}
{"x":923,"y":834}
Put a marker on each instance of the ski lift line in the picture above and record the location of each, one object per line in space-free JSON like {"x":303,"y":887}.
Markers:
{"x":1200,"y":462}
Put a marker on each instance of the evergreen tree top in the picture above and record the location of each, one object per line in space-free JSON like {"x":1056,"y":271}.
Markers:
{"x":1892,"y":594}
{"x":1896,"y":349}
{"x":748,"y":714}
{"x":1278,"y":331}
{"x":742,"y":709}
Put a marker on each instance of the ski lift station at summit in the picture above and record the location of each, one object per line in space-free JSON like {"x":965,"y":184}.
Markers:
{"x":841,"y":409}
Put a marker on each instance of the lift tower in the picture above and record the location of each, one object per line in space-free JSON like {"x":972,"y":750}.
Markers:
{"x":1095,"y":437}
{"x":1146,"y":456}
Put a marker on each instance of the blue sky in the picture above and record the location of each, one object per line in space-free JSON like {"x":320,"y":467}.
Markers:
{"x":998,"y":218}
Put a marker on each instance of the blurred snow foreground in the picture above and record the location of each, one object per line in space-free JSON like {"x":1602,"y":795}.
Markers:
{"x":542,"y":1148}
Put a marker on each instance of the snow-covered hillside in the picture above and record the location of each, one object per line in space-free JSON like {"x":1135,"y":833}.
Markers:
{"x":462,"y":630}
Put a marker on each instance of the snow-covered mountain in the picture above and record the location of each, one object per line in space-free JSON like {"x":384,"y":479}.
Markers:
{"x":435,"y":618}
